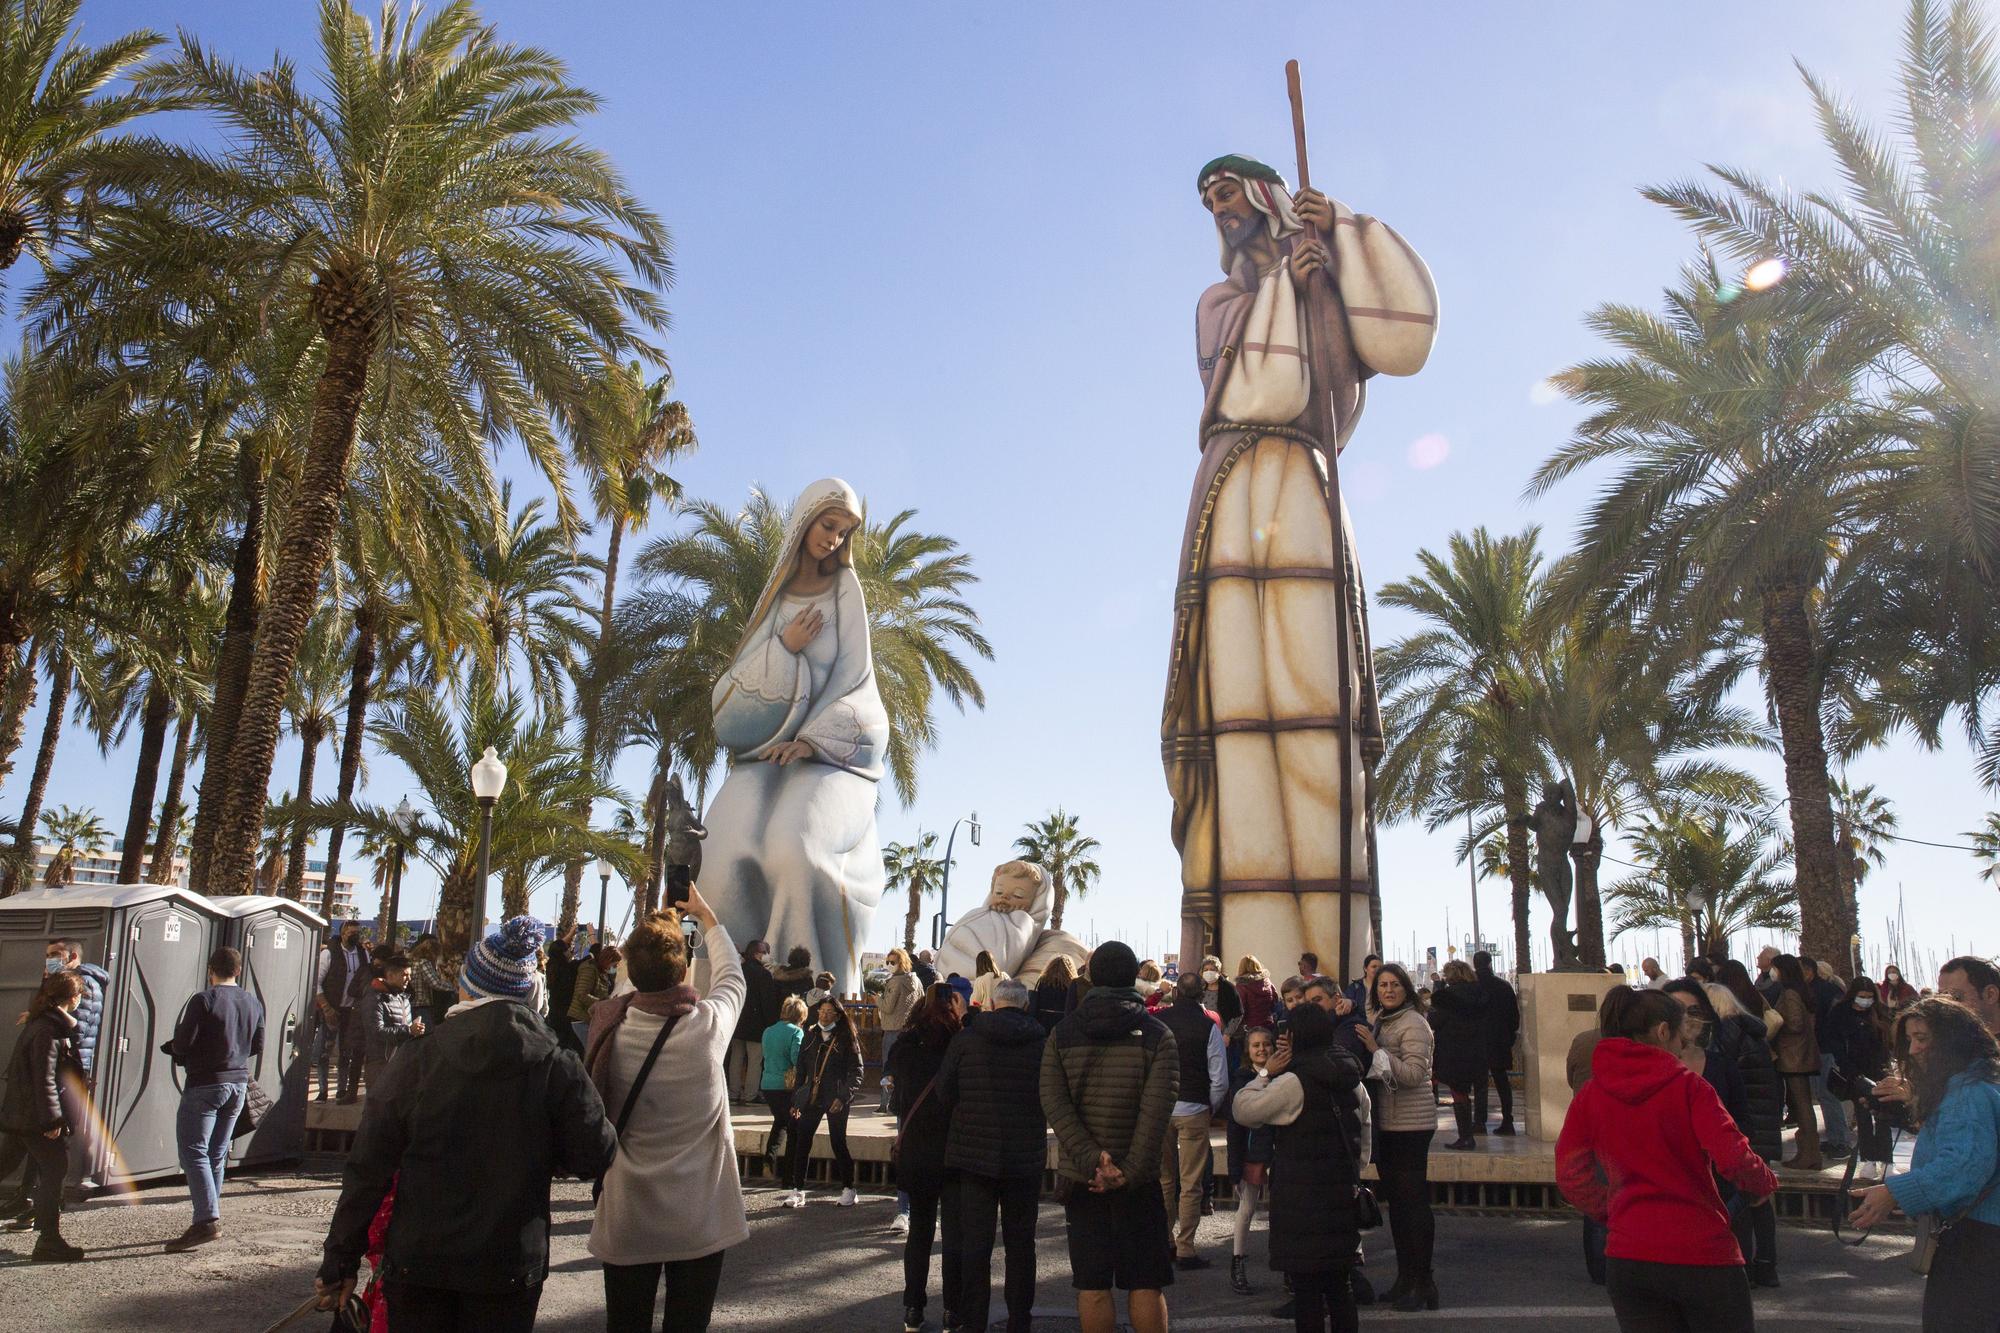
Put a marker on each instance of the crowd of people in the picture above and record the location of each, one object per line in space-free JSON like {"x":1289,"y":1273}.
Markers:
{"x":607,"y":1064}
{"x":1683,"y":1092}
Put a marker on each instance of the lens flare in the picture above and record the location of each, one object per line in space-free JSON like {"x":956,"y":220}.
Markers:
{"x":1765,"y":273}
{"x":1429,"y":451}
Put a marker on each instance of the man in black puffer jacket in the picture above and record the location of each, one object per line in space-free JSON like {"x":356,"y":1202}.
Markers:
{"x":991,"y":1080}
{"x":477,"y":1117}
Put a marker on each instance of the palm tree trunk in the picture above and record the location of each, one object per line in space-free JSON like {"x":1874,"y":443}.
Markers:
{"x":513,"y":894}
{"x":1589,"y":907}
{"x":656,"y":841}
{"x":61,"y":678}
{"x":1790,"y":662}
{"x":1514,"y":796}
{"x":454,"y":919}
{"x":359,"y":684}
{"x":162,"y":868}
{"x":303,"y":554}
{"x":19,"y":695}
{"x":295,"y":861}
{"x":1688,"y":950}
{"x":232,"y":667}
{"x":593,"y":711}
{"x":139,"y":814}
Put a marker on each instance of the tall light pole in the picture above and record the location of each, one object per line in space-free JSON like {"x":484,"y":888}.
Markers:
{"x":489,"y":779}
{"x":943,"y":916}
{"x":603,"y":900}
{"x":404,"y":818}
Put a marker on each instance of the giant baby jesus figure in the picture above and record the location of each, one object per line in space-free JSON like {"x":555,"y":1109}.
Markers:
{"x":1253,"y":723}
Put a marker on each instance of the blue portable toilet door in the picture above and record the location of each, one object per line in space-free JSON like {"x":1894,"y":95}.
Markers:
{"x":164,"y":961}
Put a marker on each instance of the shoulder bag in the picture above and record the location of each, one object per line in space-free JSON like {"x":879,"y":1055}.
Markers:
{"x":896,"y":1144}
{"x":632,"y":1094}
{"x":1932,"y":1229}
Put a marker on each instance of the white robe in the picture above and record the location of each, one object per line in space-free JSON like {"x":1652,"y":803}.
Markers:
{"x":792,"y":855}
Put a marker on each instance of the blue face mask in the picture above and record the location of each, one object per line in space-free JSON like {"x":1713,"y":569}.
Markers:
{"x":54,"y":965}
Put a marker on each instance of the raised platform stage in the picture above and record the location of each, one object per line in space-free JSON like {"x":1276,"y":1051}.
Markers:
{"x":1502,"y":1175}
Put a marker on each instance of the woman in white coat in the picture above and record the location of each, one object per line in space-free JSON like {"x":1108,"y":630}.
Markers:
{"x":792,"y":854}
{"x":672,"y":1203}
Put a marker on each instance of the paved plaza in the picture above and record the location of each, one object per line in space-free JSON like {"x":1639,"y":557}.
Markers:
{"x":840,"y":1269}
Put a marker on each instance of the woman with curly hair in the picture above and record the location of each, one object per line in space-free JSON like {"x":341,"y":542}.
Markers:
{"x":1950,"y":1077}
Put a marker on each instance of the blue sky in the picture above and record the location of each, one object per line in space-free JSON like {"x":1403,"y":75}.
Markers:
{"x":951,"y":253}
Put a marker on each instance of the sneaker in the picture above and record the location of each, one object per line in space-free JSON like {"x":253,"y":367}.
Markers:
{"x":20,"y":1215}
{"x":198,"y":1233}
{"x":53,"y":1249}
{"x":848,"y":1198}
{"x":796,"y":1199}
{"x":901,"y":1224}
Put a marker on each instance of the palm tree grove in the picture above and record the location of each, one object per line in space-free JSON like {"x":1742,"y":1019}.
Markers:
{"x":529,"y":532}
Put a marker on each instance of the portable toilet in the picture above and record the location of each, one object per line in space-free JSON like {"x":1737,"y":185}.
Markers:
{"x":279,"y":940}
{"x":154,"y":940}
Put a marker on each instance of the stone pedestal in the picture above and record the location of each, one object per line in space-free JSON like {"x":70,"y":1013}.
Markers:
{"x":1555,"y":1006}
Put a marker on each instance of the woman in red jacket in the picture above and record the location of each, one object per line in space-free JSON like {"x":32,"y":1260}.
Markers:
{"x":1635,"y":1153}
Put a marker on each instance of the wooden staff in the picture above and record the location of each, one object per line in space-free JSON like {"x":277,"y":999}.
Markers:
{"x":1317,"y":300}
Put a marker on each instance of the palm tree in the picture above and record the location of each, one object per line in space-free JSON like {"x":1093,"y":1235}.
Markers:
{"x":637,"y":428}
{"x":1057,"y":845}
{"x":1454,"y":706}
{"x":1986,"y":848}
{"x":1903,"y":255}
{"x":916,"y":867}
{"x":1863,"y":823}
{"x":485,"y":260}
{"x":76,"y":833}
{"x":1633,"y":724}
{"x":1703,"y":878}
{"x":535,"y":828}
{"x":526,"y":589}
{"x":697,"y":588}
{"x":313,"y":704}
{"x":54,"y":114}
{"x":1745,"y":458}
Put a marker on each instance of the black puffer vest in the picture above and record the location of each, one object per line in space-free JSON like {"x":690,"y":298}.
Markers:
{"x":1740,"y":1037}
{"x":1313,"y":1177}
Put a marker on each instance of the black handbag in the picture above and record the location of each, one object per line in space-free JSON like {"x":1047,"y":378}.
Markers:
{"x":256,"y":1105}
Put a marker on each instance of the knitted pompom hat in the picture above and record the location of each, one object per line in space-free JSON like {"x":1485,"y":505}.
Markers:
{"x":502,"y":966}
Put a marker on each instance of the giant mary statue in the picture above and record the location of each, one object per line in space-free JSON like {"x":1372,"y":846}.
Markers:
{"x":1270,"y":722}
{"x":792,"y":856}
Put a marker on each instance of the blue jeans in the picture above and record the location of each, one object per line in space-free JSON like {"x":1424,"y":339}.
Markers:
{"x":203,"y":1129}
{"x":1830,"y":1106}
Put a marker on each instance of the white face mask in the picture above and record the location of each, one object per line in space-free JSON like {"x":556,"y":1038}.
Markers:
{"x":1211,"y":977}
{"x":826,"y":1027}
{"x":1864,"y":1002}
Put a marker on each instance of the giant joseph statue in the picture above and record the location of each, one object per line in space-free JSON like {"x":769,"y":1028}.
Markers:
{"x":1270,"y":724}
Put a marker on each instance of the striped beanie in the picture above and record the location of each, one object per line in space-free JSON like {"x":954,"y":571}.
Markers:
{"x":502,"y":966}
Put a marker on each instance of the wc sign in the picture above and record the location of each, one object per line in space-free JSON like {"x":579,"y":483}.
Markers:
{"x":281,"y":938}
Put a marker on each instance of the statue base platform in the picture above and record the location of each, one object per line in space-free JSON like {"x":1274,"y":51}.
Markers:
{"x":1555,"y":1007}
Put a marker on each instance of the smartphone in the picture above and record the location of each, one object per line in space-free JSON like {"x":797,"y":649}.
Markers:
{"x":679,"y":881}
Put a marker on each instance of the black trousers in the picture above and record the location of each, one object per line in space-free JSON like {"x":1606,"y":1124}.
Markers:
{"x":347,"y":1030}
{"x":415,"y":1309}
{"x":1323,"y":1301}
{"x":780,"y":1102}
{"x":932,"y":1198}
{"x":803,"y":1130}
{"x":1498,"y":1071}
{"x":1962,"y":1293}
{"x":1403,"y":1160}
{"x":48,"y":1163}
{"x":629,"y":1290}
{"x":1017,"y":1199}
{"x":1678,"y":1298}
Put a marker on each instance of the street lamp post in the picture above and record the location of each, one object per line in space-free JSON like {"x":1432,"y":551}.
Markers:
{"x":489,"y":779}
{"x":943,"y":916}
{"x":404,"y":818}
{"x":603,"y":899}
